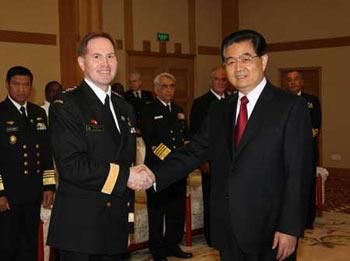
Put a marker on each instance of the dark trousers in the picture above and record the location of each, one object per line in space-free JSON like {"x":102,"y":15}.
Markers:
{"x":232,"y":252}
{"x":168,"y":205}
{"x":206,"y":199}
{"x":311,"y":212}
{"x":19,"y":232}
{"x":75,"y":256}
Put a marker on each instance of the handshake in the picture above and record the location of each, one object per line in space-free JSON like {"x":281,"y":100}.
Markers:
{"x":140,"y":178}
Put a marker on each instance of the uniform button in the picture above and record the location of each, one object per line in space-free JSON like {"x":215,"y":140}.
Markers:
{"x":109,"y":204}
{"x":173,"y":139}
{"x":38,"y":154}
{"x":25,"y":155}
{"x":24,"y":146}
{"x":174,"y":147}
{"x":25,"y":163}
{"x":38,"y":171}
{"x":26,"y":172}
{"x":38,"y":162}
{"x":128,"y":204}
{"x":37,"y":146}
{"x":171,"y":131}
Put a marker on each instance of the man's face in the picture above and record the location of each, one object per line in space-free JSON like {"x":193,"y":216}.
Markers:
{"x":219,"y":83}
{"x":245,"y":70}
{"x":166,"y":90}
{"x":99,"y":63}
{"x":19,"y":88}
{"x":294,"y":82}
{"x":52,"y":92}
{"x":134,"y":83}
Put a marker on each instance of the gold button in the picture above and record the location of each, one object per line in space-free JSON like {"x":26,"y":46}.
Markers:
{"x":24,"y":146}
{"x":25,"y":155}
{"x":171,"y":131}
{"x":109,"y":204}
{"x":174,"y":139}
{"x":37,"y":146}
{"x":38,"y":154}
{"x":25,"y":163}
{"x":38,"y":162}
{"x":128,"y":204}
{"x":26,"y":172}
{"x":174,"y":147}
{"x":38,"y":171}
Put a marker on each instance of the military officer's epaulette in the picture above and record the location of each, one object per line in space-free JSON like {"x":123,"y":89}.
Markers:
{"x":70,"y":89}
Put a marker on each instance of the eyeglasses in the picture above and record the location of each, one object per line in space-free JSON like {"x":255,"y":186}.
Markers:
{"x":245,"y":59}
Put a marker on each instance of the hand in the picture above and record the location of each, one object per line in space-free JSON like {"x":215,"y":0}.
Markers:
{"x":315,"y":132}
{"x":140,"y":178}
{"x":47,"y":200}
{"x":286,"y":245}
{"x":4,"y":204}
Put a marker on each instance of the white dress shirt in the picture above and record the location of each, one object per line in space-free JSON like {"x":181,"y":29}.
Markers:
{"x":18,"y":106}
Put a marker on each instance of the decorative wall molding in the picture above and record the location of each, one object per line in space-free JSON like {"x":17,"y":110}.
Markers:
{"x":27,"y":37}
{"x":208,"y":50}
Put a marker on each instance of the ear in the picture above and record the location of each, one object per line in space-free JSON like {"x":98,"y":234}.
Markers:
{"x":81,"y":62}
{"x":264,"y":59}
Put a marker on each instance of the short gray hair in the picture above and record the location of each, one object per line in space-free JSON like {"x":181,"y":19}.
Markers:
{"x":156,"y":81}
{"x":137,"y":75}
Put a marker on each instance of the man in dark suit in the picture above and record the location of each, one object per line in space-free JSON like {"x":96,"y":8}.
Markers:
{"x":259,"y":144}
{"x":27,"y":177}
{"x":136,"y":96}
{"x":295,"y":84}
{"x":164,"y":129}
{"x":93,"y":138}
{"x":200,"y":108}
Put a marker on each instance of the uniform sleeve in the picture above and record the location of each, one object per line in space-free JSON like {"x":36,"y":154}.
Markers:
{"x":49,"y":176}
{"x":72,"y":155}
{"x":297,"y":153}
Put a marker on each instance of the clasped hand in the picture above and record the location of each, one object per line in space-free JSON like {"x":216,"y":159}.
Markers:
{"x":140,"y":178}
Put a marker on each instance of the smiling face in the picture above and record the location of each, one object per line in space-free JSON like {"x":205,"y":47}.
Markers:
{"x":19,"y":88}
{"x":99,"y":63}
{"x":244,"y":74}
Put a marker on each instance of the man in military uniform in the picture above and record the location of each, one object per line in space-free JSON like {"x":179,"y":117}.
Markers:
{"x":136,"y":96}
{"x":199,"y":111}
{"x":295,"y":84}
{"x":27,"y":177}
{"x":93,"y":138}
{"x":164,"y":128}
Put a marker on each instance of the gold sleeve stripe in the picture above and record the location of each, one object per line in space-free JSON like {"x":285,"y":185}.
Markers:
{"x":49,"y":172}
{"x":49,"y":177}
{"x":1,"y":184}
{"x":161,"y":151}
{"x":111,"y":179}
{"x":131,"y":217}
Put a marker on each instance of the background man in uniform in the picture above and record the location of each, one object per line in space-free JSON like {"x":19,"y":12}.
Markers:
{"x":164,"y":129}
{"x":259,"y":144}
{"x":295,"y":84}
{"x":136,"y":96}
{"x":27,"y":177}
{"x":200,"y":107}
{"x":93,"y":138}
{"x":52,"y":90}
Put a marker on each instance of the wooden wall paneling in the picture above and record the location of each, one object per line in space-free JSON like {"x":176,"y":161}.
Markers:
{"x":162,"y":47}
{"x":229,"y":17}
{"x":178,"y":48}
{"x":146,"y":46}
{"x":208,"y":50}
{"x":128,"y":25}
{"x":192,"y":25}
{"x":26,"y":37}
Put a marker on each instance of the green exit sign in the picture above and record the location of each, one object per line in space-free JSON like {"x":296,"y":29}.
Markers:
{"x":163,"y":37}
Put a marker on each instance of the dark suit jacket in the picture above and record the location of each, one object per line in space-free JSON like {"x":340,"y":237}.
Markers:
{"x":90,"y":213}
{"x":146,"y":97}
{"x":26,"y":167}
{"x":199,"y":111}
{"x":262,"y":186}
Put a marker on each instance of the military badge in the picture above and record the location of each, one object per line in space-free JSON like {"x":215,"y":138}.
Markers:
{"x":41,"y":126}
{"x":10,"y":122}
{"x":129,"y":122}
{"x":180,"y":116}
{"x":132,"y":130}
{"x":13,"y":139}
{"x":39,"y":119}
{"x":158,"y":117}
{"x":122,"y":117}
{"x":94,"y":126}
{"x":310,"y":105}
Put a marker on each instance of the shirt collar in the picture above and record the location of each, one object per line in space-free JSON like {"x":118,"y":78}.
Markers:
{"x":163,"y":102}
{"x":299,"y":93}
{"x":101,"y":94}
{"x":17,"y":105}
{"x":255,"y":93}
{"x":217,"y":95}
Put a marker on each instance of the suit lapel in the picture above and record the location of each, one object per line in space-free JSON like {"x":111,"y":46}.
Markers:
{"x":257,"y":117}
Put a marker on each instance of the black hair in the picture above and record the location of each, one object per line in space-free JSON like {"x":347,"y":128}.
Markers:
{"x":19,"y":70}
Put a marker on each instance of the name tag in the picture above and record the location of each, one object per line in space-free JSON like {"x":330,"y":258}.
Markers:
{"x":94,"y":127}
{"x":12,"y":129}
{"x":158,"y":117}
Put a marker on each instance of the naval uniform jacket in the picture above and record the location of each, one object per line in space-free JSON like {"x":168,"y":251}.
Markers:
{"x":26,"y":167}
{"x":261,"y":186}
{"x":138,"y":103}
{"x":93,"y":204}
